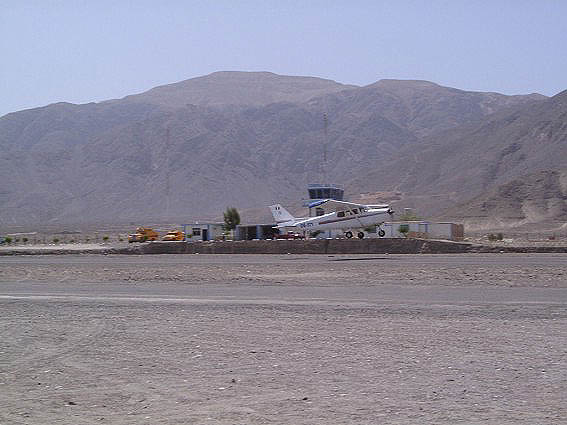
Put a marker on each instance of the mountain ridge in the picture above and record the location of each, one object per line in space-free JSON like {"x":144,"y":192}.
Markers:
{"x":139,"y":158}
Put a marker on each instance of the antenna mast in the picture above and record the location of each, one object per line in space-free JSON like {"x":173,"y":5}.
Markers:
{"x":325,"y":122}
{"x":167,"y":173}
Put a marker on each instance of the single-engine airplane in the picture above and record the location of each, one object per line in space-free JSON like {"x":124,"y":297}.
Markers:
{"x":346,"y":216}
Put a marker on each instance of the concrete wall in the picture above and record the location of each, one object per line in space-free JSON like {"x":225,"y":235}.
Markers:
{"x":312,"y":246}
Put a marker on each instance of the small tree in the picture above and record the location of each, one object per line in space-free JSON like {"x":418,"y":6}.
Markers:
{"x":105,"y":238}
{"x":231,"y":219}
{"x":404,"y":229}
{"x":25,"y":240}
{"x":315,"y":233}
{"x":8,"y":239}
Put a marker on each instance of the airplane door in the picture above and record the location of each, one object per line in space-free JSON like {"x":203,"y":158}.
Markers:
{"x":205,"y":235}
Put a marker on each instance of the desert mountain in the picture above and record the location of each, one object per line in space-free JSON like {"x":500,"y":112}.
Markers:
{"x":468,"y":161}
{"x":237,"y":88}
{"x":534,"y":198}
{"x":188,"y":150}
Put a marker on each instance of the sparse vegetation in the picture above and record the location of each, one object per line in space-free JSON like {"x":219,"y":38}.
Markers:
{"x":105,"y":238}
{"x":370,"y":229}
{"x":495,"y":237}
{"x":8,"y":239}
{"x":25,"y":240}
{"x":231,"y":218}
{"x":404,"y":229}
{"x":409,"y":216}
{"x":56,"y":240}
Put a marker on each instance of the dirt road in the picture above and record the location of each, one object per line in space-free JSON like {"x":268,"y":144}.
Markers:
{"x":251,"y":339}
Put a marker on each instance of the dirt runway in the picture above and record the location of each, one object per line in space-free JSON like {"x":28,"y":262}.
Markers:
{"x":269,"y":339}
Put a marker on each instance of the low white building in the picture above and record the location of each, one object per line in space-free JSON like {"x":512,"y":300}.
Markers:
{"x":425,"y":229}
{"x":195,"y":232}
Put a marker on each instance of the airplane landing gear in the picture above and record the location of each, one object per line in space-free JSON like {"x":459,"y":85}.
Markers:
{"x":381,"y":233}
{"x":348,"y":234}
{"x":360,"y":235}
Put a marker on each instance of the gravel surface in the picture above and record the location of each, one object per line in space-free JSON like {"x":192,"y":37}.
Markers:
{"x":253,"y":339}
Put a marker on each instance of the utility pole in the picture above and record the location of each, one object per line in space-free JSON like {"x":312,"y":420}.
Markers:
{"x":167,"y":173}
{"x":325,"y":122}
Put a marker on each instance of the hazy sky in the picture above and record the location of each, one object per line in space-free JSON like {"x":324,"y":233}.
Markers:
{"x":82,"y":51}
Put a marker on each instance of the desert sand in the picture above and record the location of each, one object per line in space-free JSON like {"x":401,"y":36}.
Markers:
{"x":260,"y":339}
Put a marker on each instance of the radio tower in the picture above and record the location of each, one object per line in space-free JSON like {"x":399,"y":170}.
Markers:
{"x":167,"y":174}
{"x":325,"y":122}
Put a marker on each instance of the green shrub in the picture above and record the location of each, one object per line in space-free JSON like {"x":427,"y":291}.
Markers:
{"x":404,"y":229}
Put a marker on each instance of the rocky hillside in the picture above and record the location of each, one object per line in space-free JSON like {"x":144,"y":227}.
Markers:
{"x":474,"y":160}
{"x":535,"y":198}
{"x":238,"y":88}
{"x":188,"y":150}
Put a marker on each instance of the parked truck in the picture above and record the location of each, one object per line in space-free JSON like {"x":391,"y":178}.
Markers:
{"x":143,"y":234}
{"x":174,"y":235}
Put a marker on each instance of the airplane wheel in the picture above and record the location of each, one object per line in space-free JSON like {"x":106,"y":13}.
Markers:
{"x":348,"y":235}
{"x":381,"y":233}
{"x":360,"y":235}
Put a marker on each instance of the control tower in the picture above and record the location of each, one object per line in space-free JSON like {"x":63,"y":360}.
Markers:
{"x":318,"y":192}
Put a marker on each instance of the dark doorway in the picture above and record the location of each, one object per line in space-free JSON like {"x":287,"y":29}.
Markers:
{"x":251,"y":233}
{"x":205,"y":234}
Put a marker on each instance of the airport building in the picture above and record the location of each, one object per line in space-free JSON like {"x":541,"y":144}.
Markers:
{"x":196,"y":232}
{"x":203,"y":231}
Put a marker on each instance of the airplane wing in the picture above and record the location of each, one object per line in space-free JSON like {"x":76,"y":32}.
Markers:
{"x":342,"y":205}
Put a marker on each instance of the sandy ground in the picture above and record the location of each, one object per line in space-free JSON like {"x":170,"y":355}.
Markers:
{"x":267,"y":339}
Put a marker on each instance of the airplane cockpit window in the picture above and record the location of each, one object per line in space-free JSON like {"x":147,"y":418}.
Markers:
{"x":341,"y":214}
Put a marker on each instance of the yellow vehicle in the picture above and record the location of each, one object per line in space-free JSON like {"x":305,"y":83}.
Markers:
{"x":143,"y":234}
{"x":174,"y":235}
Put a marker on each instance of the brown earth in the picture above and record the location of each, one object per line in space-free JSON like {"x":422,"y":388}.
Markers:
{"x":285,"y":339}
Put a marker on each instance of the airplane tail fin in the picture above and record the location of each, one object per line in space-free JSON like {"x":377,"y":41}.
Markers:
{"x":281,"y":214}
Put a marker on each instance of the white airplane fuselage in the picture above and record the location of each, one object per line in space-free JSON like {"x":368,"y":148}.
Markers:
{"x":350,"y":219}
